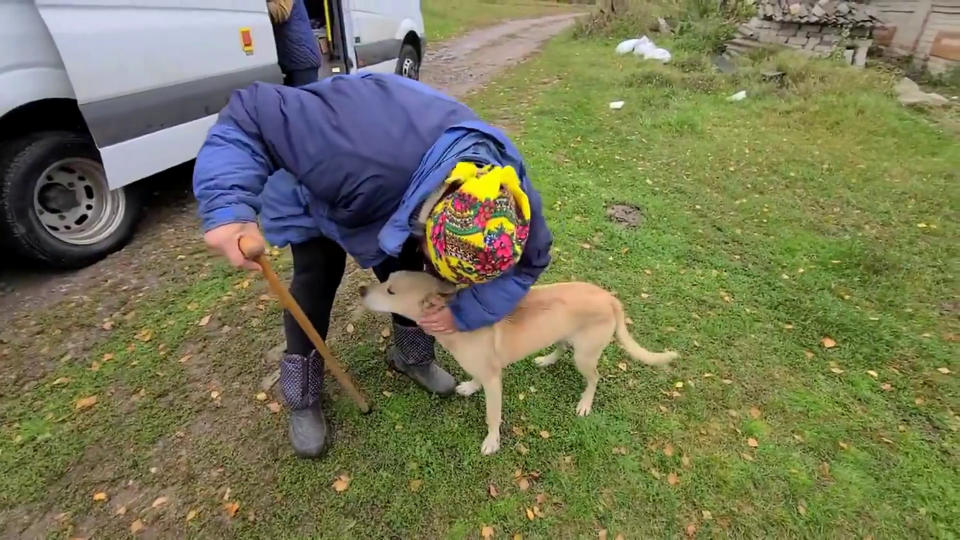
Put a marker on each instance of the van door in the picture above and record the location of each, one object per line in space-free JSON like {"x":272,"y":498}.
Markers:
{"x":142,"y":68}
{"x":375,"y":26}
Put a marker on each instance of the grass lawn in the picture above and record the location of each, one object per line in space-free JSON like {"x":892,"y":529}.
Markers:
{"x":446,"y":18}
{"x":818,"y":213}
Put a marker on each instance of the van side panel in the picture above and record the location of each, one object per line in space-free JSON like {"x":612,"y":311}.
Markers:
{"x":30,"y":67}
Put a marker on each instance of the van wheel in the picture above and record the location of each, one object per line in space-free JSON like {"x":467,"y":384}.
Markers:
{"x":55,"y":204}
{"x":408,"y":65}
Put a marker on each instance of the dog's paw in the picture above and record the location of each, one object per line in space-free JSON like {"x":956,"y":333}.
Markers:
{"x":584,"y":407}
{"x":468,"y":388}
{"x":490,"y":445}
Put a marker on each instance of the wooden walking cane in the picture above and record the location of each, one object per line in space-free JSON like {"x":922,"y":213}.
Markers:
{"x":255,"y":251}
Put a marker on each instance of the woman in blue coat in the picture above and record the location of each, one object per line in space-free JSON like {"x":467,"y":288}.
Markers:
{"x":368,"y":165}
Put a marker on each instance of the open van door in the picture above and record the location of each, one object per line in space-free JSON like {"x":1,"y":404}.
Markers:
{"x":150,"y":75}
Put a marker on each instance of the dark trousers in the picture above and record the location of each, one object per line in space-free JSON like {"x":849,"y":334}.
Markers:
{"x":301,"y":77}
{"x":318,"y":266}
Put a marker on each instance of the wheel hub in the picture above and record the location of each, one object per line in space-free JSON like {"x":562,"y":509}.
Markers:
{"x":74,"y":203}
{"x":57,"y":198}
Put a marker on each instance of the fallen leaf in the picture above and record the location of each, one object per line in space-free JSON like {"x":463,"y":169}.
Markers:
{"x":158,"y":502}
{"x":191,"y":515}
{"x":387,"y":393}
{"x":886,"y":387}
{"x":415,"y":485}
{"x":100,"y":496}
{"x":530,"y":514}
{"x":944,"y":370}
{"x":274,"y":407}
{"x":261,"y":396}
{"x":95,"y":366}
{"x":137,"y":526}
{"x":678,"y":384}
{"x":341,"y":483}
{"x":836,"y":370}
{"x":350,"y":328}
{"x":108,"y":357}
{"x":523,"y":484}
{"x":602,"y":534}
{"x":685,"y":461}
{"x":185,"y":359}
{"x":537,"y":512}
{"x":808,"y":354}
{"x":541,"y":498}
{"x":61,"y":381}
{"x":655,"y":473}
{"x":620,"y":450}
{"x":522,"y":449}
{"x":802,"y":508}
{"x":85,"y":403}
{"x":144,"y":335}
{"x":672,"y":479}
{"x":120,"y":511}
{"x":707,"y":515}
{"x":755,"y":413}
{"x":691,"y":530}
{"x":622,"y":366}
{"x":517,"y":536}
{"x":226,"y":494}
{"x":788,"y":326}
{"x":486,"y":532}
{"x":752,"y":443}
{"x":205,"y":320}
{"x":918,"y":401}
{"x":828,"y":342}
{"x":746,"y":456}
{"x":493,"y":491}
{"x":517,"y":430}
{"x":107,"y":325}
{"x":662,"y":408}
{"x":231,"y":508}
{"x":385,"y":332}
{"x":843,"y":445}
{"x":586,"y":246}
{"x":726,"y":381}
{"x":214,"y":394}
{"x":545,"y":434}
{"x":872,"y":373}
{"x":668,"y":450}
{"x":620,"y":536}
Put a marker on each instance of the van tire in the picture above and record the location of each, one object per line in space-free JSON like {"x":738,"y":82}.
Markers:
{"x":408,"y":64}
{"x":54,"y":180}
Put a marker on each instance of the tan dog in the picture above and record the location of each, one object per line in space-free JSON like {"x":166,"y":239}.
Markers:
{"x":579,"y":314}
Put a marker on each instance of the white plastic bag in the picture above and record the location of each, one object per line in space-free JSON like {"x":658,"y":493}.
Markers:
{"x":616,"y":105}
{"x":648,"y":50}
{"x":626,"y":46}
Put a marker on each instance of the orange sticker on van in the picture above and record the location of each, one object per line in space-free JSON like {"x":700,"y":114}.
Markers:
{"x":246,"y":40}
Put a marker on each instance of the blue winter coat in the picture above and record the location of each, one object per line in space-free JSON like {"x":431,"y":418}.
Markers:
{"x":297,"y":47}
{"x":363,"y":152}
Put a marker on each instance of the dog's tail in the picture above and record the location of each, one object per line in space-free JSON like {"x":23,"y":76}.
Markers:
{"x":632,"y":347}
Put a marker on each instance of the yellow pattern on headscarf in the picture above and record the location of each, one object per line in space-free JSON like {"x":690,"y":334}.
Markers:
{"x":466,"y":256}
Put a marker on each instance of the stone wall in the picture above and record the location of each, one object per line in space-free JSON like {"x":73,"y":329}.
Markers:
{"x":816,"y":39}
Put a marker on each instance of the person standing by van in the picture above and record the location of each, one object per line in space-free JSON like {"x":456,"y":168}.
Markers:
{"x":391,"y":172}
{"x":297,"y":48}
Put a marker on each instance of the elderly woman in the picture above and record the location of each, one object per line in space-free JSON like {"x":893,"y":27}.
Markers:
{"x":297,"y":48}
{"x":396,"y":175}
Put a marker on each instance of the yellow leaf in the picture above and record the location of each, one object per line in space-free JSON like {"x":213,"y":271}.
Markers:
{"x":100,"y":496}
{"x":486,"y":532}
{"x":518,"y":536}
{"x":843,"y":445}
{"x":726,"y":381}
{"x":204,"y":321}
{"x":108,"y":357}
{"x":752,"y":443}
{"x":415,"y":485}
{"x":144,"y":335}
{"x":655,"y":473}
{"x":385,"y":332}
{"x":350,"y":328}
{"x":668,"y":450}
{"x":95,"y":366}
{"x":120,"y":511}
{"x":274,"y":407}
{"x":944,"y":370}
{"x":678,"y":384}
{"x":836,"y":370}
{"x":828,"y":342}
{"x":545,"y":434}
{"x":808,"y":354}
{"x":707,"y":515}
{"x":61,"y":381}
{"x":493,"y":491}
{"x":261,"y":396}
{"x":622,"y":366}
{"x":872,"y":373}
{"x":186,"y":359}
{"x":802,"y":508}
{"x":387,"y":393}
{"x":754,"y":413}
{"x":585,"y":246}
{"x":523,"y":484}
{"x":158,"y":502}
{"x":191,"y":515}
{"x":602,"y":534}
{"x":522,"y":449}
{"x":137,"y":526}
{"x":672,"y":479}
{"x":746,"y":456}
{"x":231,"y":508}
{"x":530,"y":514}
{"x":918,"y":401}
{"x":620,"y":450}
{"x":685,"y":461}
{"x":341,"y":483}
{"x":620,"y":536}
{"x":214,"y":394}
{"x":85,"y":403}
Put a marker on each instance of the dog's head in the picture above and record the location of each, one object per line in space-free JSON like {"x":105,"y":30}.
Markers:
{"x":410,"y":294}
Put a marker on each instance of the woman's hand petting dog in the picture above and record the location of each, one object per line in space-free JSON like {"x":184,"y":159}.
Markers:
{"x":438,"y":322}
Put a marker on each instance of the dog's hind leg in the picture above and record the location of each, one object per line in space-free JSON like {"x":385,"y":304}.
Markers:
{"x":587,"y":348}
{"x":550,"y":359}
{"x":493,"y":392}
{"x":468,"y":388}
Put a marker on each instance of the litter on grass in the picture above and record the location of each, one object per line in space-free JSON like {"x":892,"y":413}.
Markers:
{"x":739,"y":96}
{"x":645,"y":48}
{"x":616,"y":105}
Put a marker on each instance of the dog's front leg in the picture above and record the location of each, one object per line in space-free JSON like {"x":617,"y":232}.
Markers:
{"x":493,"y":392}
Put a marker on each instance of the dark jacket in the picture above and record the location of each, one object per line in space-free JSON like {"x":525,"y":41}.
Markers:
{"x":360,"y":154}
{"x":297,"y":48}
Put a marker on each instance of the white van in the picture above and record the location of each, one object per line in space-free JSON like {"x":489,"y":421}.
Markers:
{"x":98,"y":94}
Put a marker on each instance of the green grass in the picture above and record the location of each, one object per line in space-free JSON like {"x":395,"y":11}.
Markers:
{"x":819,"y":207}
{"x":444,"y":19}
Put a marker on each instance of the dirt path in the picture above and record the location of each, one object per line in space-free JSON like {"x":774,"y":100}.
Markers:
{"x":455,"y":67}
{"x":55,"y":323}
